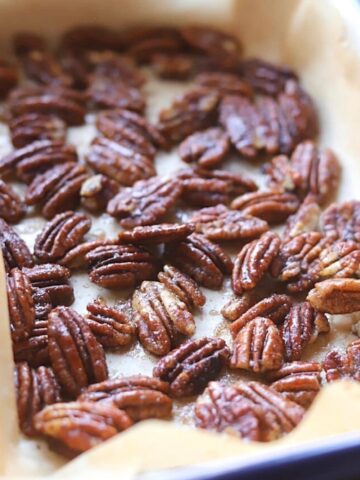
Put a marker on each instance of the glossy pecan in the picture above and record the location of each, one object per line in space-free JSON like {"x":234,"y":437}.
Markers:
{"x":275,"y":308}
{"x":110,"y":325}
{"x":43,"y":67}
{"x":108,"y":93}
{"x":146,"y":202}
{"x":302,"y":326}
{"x":75,"y":427}
{"x":193,"y":111}
{"x":76,"y":257}
{"x":120,"y":266}
{"x":189,"y":368}
{"x":20,"y":304}
{"x":58,"y":189}
{"x":298,"y":381}
{"x":258,"y":347}
{"x":220,"y":223}
{"x":12,"y":208}
{"x":65,"y":103}
{"x":272,"y":206}
{"x":156,"y":234}
{"x":33,"y":127}
{"x":306,"y":219}
{"x":160,"y":317}
{"x":250,"y":410}
{"x":14,"y":249}
{"x":172,"y":66}
{"x":207,"y":148}
{"x":97,"y":191}
{"x":25,"y":42}
{"x":204,"y":261}
{"x":236,"y":306}
{"x":60,"y":235}
{"x":224,"y":83}
{"x":341,"y":221}
{"x":336,"y":296}
{"x":182,"y":286}
{"x":34,"y":349}
{"x":343,"y":365}
{"x":8,"y":77}
{"x":139,"y":396}
{"x":253,"y":261}
{"x":42,"y":303}
{"x":119,"y":162}
{"x":111,"y":65}
{"x":77,"y":358}
{"x":34,"y":388}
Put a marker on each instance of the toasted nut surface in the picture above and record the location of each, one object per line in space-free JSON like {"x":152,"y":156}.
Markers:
{"x":337,"y":295}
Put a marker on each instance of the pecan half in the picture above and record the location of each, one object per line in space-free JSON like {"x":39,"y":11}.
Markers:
{"x":207,"y":148}
{"x":302,"y":326}
{"x":14,"y":249}
{"x":8,"y":77}
{"x":258,"y":347}
{"x":34,"y":390}
{"x":201,"y":259}
{"x":21,"y":305}
{"x":97,"y":191}
{"x":60,"y":235}
{"x":33,"y":127}
{"x":77,"y":358}
{"x":190,"y":367}
{"x":220,"y":223}
{"x":182,"y":286}
{"x":12,"y":208}
{"x":139,"y":396}
{"x":58,"y":189}
{"x":43,"y":67}
{"x":120,"y":266}
{"x":253,"y":261}
{"x":346,"y":365}
{"x":224,"y":83}
{"x":110,"y":325}
{"x":155,"y":234}
{"x":272,"y":206}
{"x":75,"y":427}
{"x":42,"y":303}
{"x":341,"y":221}
{"x":160,"y":317}
{"x":193,"y":111}
{"x":146,"y":202}
{"x":172,"y":66}
{"x":119,"y":162}
{"x":336,"y":296}
{"x":76,"y":257}
{"x":251,"y":410}
{"x":111,"y":65}
{"x":108,"y":93}
{"x":306,"y":219}
{"x":298,"y":381}
{"x":34,"y":349}
{"x":236,"y":306}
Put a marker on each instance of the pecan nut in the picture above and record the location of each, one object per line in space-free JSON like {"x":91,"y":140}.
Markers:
{"x":113,"y":66}
{"x":34,"y":349}
{"x":189,"y":368}
{"x":236,"y":306}
{"x":14,"y":249}
{"x":97,"y":191}
{"x":346,"y":365}
{"x":77,"y":358}
{"x":253,"y":261}
{"x":172,"y":66}
{"x":108,"y":93}
{"x":139,"y":396}
{"x":21,"y":305}
{"x":43,"y":68}
{"x":76,"y":257}
{"x":306,"y":219}
{"x":8,"y":77}
{"x":32,"y":127}
{"x":156,"y":234}
{"x":160,"y":317}
{"x":342,"y":221}
{"x":336,"y":296}
{"x":224,"y":83}
{"x":12,"y":208}
{"x":258,"y":347}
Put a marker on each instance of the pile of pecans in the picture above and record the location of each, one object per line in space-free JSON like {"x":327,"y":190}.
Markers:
{"x":284,"y":285}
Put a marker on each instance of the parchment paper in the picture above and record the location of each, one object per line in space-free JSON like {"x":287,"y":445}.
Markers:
{"x":310,"y":36}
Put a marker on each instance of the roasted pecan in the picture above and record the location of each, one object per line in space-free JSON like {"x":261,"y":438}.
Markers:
{"x":32,"y":127}
{"x":120,"y":266}
{"x":77,"y":358}
{"x":108,"y":93}
{"x":21,"y":305}
{"x":195,"y":110}
{"x":346,"y":365}
{"x":302,"y":326}
{"x":280,"y":174}
{"x":36,"y":158}
{"x":76,"y":257}
{"x":190,"y":367}
{"x":146,"y":202}
{"x":253,"y":261}
{"x":64,"y":103}
{"x":251,"y":410}
{"x":275,"y":308}
{"x":119,"y":162}
{"x":221,"y":223}
{"x":337,"y":295}
{"x":60,"y":235}
{"x":160,"y":317}
{"x":14,"y":249}
{"x":131,"y":130}
{"x":75,"y":427}
{"x":110,"y":325}
{"x":258,"y":347}
{"x":182,"y":286}
{"x":306,"y":219}
{"x":26,"y":42}
{"x":97,"y":191}
{"x":224,"y":83}
{"x":139,"y":396}
{"x":42,"y":303}
{"x":54,"y":280}
{"x":34,"y":350}
{"x":172,"y":66}
{"x":58,"y":189}
{"x":34,"y":390}
{"x":8,"y":77}
{"x":12,"y":208}
{"x":298,"y":381}
{"x":273,"y":206}
{"x":342,"y":221}
{"x":204,"y":261}
{"x":236,"y":306}
{"x":43,"y":67}
{"x":155,"y":234}
{"x":111,"y":65}
{"x":339,"y":259}
{"x":206,"y":148}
